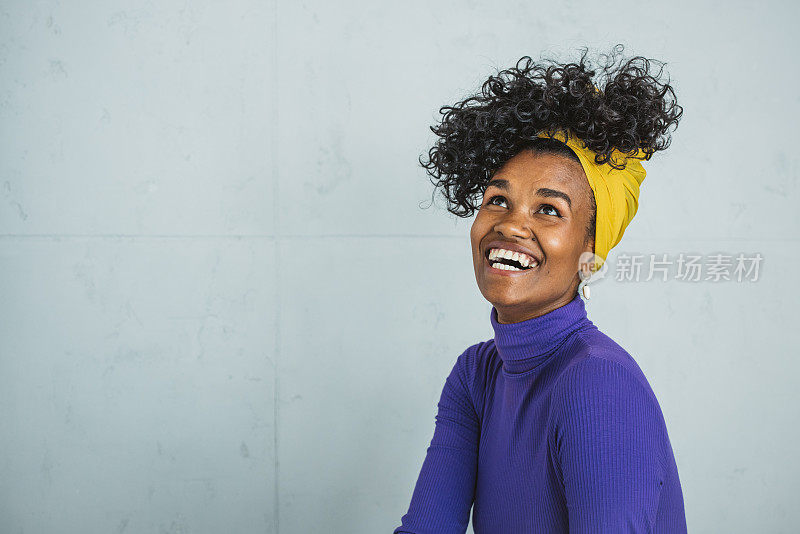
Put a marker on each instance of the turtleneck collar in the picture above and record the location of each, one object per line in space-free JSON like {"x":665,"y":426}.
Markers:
{"x":526,"y":345}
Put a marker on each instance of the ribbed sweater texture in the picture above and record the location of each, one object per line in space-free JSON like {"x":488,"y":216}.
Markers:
{"x":549,"y":427}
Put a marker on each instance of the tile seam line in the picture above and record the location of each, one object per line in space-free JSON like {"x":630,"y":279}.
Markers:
{"x":230,"y":236}
{"x":278,"y":236}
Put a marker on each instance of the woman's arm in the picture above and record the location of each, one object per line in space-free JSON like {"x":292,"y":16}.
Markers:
{"x":608,"y":444}
{"x":445,"y":488}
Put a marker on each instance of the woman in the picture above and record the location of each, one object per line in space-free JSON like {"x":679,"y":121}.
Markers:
{"x":550,"y":426}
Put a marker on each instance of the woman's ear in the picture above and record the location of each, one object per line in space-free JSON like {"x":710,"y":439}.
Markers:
{"x":588,"y":264}
{"x":589,"y":247}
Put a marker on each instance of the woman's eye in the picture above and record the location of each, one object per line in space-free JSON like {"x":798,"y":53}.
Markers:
{"x":491,"y":200}
{"x":557,"y":213}
{"x":500,"y":198}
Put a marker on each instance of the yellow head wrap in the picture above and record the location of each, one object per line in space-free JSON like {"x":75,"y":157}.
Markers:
{"x":616,"y":192}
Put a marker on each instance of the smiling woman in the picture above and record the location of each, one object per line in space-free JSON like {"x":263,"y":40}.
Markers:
{"x":533,"y":192}
{"x":550,"y":426}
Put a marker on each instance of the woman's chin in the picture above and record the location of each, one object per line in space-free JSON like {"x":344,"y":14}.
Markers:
{"x":509,"y":298}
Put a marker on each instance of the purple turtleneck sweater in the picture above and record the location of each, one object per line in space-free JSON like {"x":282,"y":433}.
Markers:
{"x":549,"y":427}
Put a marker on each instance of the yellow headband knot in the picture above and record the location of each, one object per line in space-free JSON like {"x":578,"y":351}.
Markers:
{"x":616,"y":192}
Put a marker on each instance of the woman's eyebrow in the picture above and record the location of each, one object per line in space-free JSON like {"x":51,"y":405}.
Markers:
{"x":502,"y":183}
{"x":545,"y":192}
{"x":499,"y":183}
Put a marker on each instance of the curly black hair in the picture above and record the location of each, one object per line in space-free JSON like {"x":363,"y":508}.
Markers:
{"x":625,"y":108}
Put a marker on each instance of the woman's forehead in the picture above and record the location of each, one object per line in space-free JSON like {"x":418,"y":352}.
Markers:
{"x":528,"y":170}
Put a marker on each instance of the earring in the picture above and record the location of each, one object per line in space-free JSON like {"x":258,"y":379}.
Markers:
{"x":583,"y":288}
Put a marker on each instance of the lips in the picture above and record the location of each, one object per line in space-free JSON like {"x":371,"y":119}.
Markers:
{"x":508,"y":245}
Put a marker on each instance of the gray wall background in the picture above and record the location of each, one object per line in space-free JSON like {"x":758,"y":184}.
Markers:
{"x":224,"y":310}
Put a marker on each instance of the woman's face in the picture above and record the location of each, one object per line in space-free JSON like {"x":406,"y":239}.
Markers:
{"x":542,"y":204}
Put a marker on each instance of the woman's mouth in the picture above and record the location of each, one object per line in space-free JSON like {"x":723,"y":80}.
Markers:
{"x":506,"y":262}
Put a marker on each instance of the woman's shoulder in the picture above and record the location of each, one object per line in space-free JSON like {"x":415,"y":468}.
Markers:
{"x":599,"y":369}
{"x":477,"y":358}
{"x":601,"y":383}
{"x":478,"y":354}
{"x":476,"y":364}
{"x":596,"y":354}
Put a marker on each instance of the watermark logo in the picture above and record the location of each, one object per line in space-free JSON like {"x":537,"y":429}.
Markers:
{"x":687,"y":267}
{"x":587,"y":267}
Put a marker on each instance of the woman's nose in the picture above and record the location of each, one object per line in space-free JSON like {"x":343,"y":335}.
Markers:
{"x":514,"y":225}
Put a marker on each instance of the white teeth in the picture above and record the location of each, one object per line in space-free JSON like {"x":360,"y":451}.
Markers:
{"x":505,"y":267}
{"x":524,"y":259}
